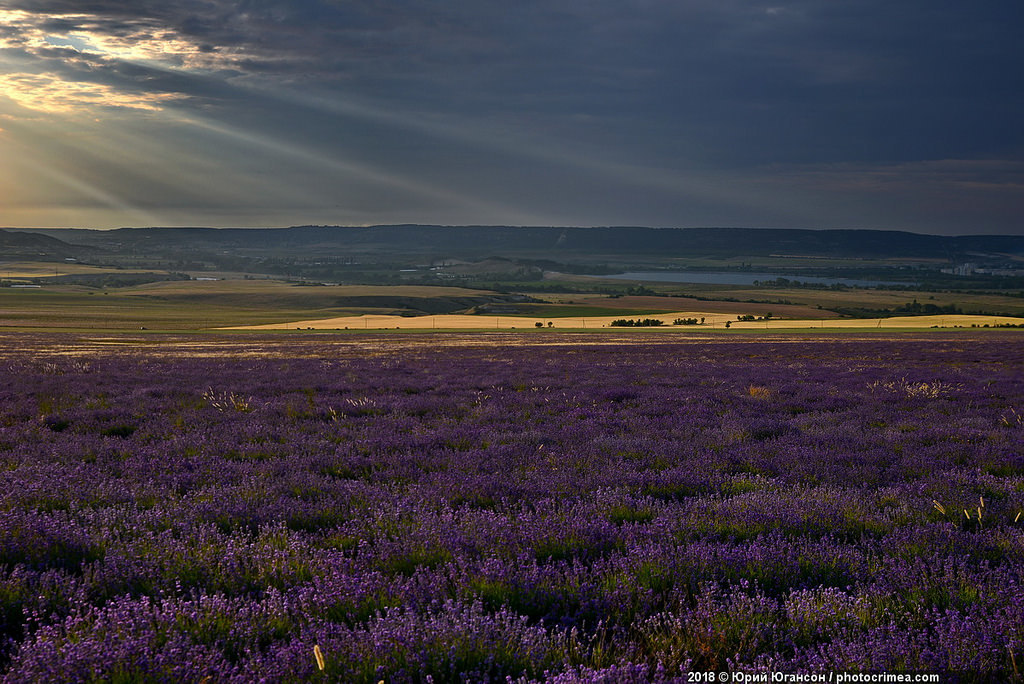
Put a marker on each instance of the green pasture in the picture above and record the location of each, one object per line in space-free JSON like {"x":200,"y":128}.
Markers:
{"x":864,"y":297}
{"x":79,"y":309}
{"x":1005,"y":303}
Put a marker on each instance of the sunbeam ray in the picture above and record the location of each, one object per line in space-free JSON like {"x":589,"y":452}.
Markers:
{"x":524,"y":146}
{"x":78,"y":184}
{"x":356,"y":170}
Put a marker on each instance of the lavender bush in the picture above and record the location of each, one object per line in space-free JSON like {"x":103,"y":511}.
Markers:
{"x":432,"y":509}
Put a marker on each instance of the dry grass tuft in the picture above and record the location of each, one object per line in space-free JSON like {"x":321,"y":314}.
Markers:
{"x":227,"y":401}
{"x":759,"y":392}
{"x":928,"y":390}
{"x":1012,"y":419}
{"x":319,"y":655}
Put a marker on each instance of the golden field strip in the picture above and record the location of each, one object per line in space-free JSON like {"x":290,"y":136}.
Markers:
{"x":712,"y":321}
{"x":43,"y":269}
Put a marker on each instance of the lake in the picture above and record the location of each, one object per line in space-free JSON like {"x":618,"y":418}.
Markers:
{"x":739,"y":278}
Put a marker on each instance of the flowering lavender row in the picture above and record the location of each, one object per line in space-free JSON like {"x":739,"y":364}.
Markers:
{"x":353,"y":511}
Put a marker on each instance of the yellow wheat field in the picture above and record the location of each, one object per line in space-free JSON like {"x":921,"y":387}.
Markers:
{"x":712,"y":321}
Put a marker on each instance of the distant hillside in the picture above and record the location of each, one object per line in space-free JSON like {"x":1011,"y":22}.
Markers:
{"x":37,"y":247}
{"x":556,"y":242}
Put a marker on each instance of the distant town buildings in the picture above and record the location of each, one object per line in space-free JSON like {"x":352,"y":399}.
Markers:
{"x":971,"y":268}
{"x":961,"y":269}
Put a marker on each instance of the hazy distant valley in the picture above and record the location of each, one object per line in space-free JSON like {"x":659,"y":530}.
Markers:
{"x":310,"y":271}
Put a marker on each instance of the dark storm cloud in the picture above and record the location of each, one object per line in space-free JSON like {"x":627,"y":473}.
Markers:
{"x":668,"y":88}
{"x":755,"y":80}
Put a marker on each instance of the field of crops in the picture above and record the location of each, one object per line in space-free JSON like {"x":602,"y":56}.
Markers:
{"x":358,"y":509}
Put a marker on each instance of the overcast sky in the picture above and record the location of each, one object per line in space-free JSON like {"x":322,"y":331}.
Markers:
{"x":903,"y":115}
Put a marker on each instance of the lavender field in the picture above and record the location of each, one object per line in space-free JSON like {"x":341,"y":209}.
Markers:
{"x":539,"y":508}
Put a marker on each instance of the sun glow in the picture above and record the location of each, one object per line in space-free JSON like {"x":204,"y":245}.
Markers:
{"x":73,"y":63}
{"x":50,"y":94}
{"x":138,"y":41}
